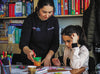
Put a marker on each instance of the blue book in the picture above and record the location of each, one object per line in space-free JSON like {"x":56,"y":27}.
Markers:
{"x":19,"y":33}
{"x":56,"y":7}
{"x":59,"y":7}
{"x":28,"y":6}
{"x":18,"y":9}
{"x":69,"y":7}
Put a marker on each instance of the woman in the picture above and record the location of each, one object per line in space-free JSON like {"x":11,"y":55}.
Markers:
{"x":40,"y":33}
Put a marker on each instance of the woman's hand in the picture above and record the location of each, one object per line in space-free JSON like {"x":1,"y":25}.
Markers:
{"x":30,"y":55}
{"x":75,"y":38}
{"x":46,"y":61}
{"x":56,"y":62}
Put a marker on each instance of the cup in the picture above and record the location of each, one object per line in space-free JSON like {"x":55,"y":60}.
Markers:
{"x":31,"y":69}
{"x":37,"y":61}
{"x":6,"y":69}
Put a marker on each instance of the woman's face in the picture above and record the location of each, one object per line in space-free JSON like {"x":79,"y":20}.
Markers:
{"x":68,"y":41}
{"x":45,"y":12}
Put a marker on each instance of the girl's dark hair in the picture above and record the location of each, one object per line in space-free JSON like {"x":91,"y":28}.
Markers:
{"x":42,"y":3}
{"x":75,"y":29}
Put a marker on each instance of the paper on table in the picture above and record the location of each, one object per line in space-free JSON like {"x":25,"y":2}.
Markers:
{"x":18,"y":71}
{"x":62,"y":72}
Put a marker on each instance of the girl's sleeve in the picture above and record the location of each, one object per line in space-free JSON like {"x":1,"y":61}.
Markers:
{"x":55,"y":43}
{"x":78,"y":59}
{"x":26,"y":33}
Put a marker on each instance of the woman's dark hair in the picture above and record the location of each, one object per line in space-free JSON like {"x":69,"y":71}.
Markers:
{"x":75,"y":29}
{"x":42,"y":3}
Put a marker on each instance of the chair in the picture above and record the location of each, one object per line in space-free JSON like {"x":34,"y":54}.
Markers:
{"x":92,"y":65}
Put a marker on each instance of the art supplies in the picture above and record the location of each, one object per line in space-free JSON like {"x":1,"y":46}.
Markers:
{"x":37,"y":61}
{"x":6,"y":61}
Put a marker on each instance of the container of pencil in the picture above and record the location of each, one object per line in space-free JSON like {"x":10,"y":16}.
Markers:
{"x":37,"y":61}
{"x":6,"y":69}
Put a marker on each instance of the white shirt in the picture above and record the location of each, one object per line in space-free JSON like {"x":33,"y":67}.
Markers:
{"x":78,"y":57}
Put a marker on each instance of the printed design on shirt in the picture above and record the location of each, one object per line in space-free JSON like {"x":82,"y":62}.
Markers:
{"x":51,"y":28}
{"x":36,"y":28}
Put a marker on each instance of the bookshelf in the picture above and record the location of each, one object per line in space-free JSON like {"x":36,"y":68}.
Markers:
{"x":64,"y":20}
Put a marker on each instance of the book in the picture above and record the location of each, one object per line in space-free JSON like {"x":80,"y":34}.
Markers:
{"x":18,"y":9}
{"x":56,"y":7}
{"x":62,"y":7}
{"x":23,"y":8}
{"x":81,"y":6}
{"x":65,"y":7}
{"x":16,"y":35}
{"x":72,"y":7}
{"x":7,"y":9}
{"x":59,"y":7}
{"x":77,"y":7}
{"x":69,"y":7}
{"x":12,"y":9}
{"x":28,"y":8}
{"x":11,"y":34}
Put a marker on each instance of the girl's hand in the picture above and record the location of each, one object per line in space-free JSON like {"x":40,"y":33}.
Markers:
{"x":46,"y":62}
{"x":56,"y":62}
{"x":75,"y":38}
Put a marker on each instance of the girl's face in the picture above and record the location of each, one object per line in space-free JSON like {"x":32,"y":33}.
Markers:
{"x":45,"y":12}
{"x":68,"y":41}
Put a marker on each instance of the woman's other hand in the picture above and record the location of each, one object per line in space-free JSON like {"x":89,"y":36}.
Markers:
{"x":46,"y":62}
{"x":56,"y":62}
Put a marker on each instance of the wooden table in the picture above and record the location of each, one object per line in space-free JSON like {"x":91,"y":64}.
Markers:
{"x":73,"y":71}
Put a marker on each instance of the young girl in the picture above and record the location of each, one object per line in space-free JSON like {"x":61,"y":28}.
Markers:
{"x":75,"y":50}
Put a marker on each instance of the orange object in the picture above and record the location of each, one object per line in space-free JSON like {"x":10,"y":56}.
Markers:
{"x":36,"y":63}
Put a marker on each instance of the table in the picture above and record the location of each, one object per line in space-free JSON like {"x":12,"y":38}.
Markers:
{"x":25,"y":71}
{"x":73,"y":71}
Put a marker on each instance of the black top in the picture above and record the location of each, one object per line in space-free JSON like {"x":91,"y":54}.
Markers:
{"x":41,"y":36}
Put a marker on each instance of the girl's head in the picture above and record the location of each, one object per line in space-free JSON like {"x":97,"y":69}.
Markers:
{"x":45,"y":9}
{"x":69,"y":31}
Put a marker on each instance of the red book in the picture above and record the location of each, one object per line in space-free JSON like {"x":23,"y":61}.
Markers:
{"x":66,"y":7}
{"x":62,"y":7}
{"x":85,"y":4}
{"x":12,"y":10}
{"x":77,"y":7}
{"x":81,"y":6}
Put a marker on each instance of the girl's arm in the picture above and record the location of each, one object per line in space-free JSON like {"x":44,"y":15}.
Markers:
{"x":79,"y":57}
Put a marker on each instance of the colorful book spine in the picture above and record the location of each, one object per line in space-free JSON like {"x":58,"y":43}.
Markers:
{"x":16,"y":35}
{"x":19,"y":33}
{"x":69,"y":7}
{"x":7,"y":9}
{"x":81,"y":6}
{"x":72,"y":7}
{"x":77,"y":7}
{"x":56,"y":7}
{"x":28,"y":4}
{"x":15,"y":24}
{"x":59,"y":7}
{"x":62,"y":7}
{"x":11,"y":34}
{"x":18,"y":9}
{"x":23,"y":8}
{"x":65,"y":7}
{"x":86,"y":4}
{"x":11,"y":9}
